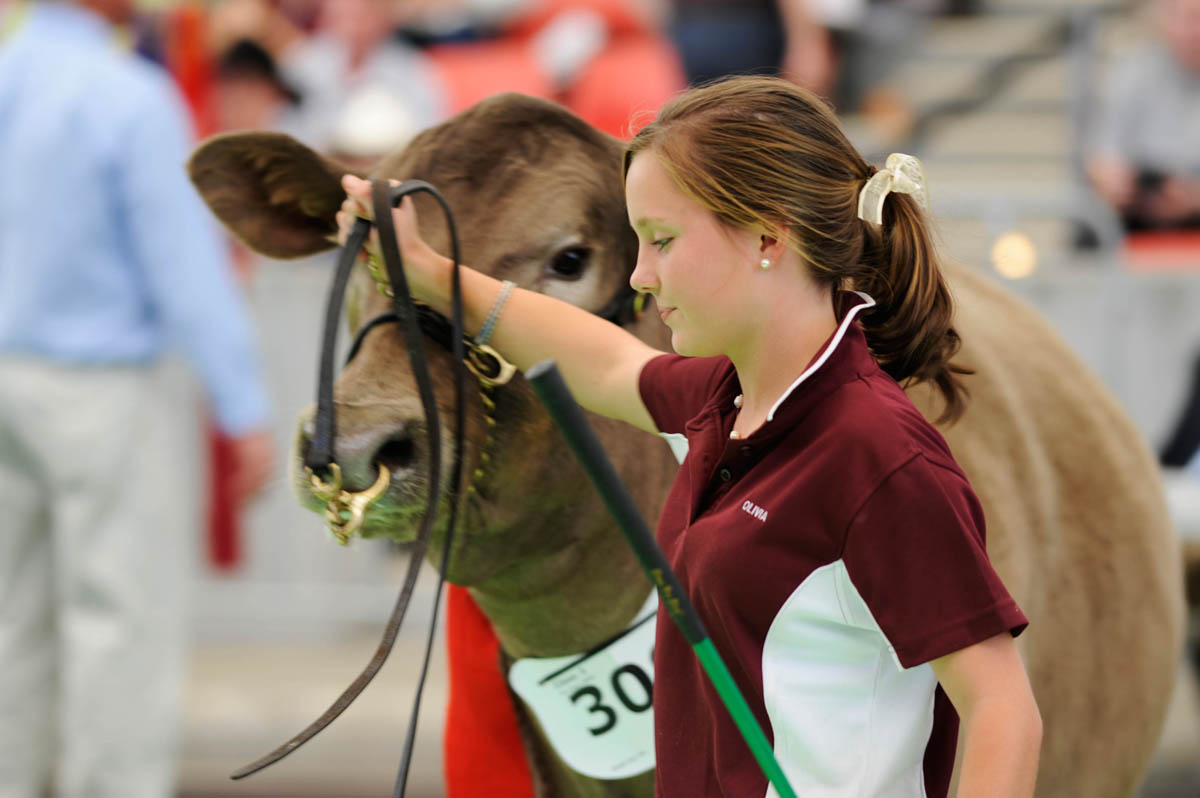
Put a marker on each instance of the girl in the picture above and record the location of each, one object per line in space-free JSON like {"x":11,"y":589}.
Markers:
{"x":829,"y":541}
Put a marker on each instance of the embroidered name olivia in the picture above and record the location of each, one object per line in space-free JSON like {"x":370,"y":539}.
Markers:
{"x":755,"y":510}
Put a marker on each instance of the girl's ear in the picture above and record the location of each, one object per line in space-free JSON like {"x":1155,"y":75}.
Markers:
{"x":772,"y":245}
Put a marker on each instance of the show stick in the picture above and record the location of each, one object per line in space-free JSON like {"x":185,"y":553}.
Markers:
{"x":548,"y":384}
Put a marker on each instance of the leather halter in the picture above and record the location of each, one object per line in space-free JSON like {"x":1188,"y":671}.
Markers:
{"x":483,"y":361}
{"x":418,"y":322}
{"x":319,"y":459}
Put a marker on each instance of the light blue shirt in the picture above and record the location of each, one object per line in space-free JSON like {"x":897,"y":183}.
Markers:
{"x":107,"y":255}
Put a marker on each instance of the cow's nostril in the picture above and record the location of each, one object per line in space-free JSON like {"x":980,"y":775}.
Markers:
{"x":396,"y":454}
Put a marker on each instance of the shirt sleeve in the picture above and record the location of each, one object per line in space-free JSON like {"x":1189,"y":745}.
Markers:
{"x":675,"y":388}
{"x":179,"y":251}
{"x":915,"y":554}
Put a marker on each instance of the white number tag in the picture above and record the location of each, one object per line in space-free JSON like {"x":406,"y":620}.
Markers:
{"x":595,"y":707}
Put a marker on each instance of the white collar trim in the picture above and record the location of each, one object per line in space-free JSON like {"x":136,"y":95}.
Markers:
{"x":867,"y":302}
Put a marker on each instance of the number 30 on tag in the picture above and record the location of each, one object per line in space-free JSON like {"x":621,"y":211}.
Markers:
{"x":595,"y":708}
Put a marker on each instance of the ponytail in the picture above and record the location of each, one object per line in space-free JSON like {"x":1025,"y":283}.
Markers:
{"x":910,"y":330}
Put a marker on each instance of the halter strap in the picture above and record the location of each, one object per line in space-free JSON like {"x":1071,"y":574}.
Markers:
{"x":320,"y":456}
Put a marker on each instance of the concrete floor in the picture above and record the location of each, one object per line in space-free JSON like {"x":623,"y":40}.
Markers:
{"x":244,"y":698}
{"x":247,"y":698}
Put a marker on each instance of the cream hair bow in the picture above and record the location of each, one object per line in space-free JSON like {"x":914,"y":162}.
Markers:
{"x":902,"y":174}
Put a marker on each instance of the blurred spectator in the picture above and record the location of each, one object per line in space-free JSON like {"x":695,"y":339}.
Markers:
{"x":353,"y":52}
{"x":725,"y":37}
{"x":1144,"y":158}
{"x":251,"y":94}
{"x":107,"y":257}
{"x":274,"y":25}
{"x":840,"y":49}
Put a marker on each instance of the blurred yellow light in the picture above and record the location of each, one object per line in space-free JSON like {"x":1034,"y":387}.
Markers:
{"x":1014,"y":255}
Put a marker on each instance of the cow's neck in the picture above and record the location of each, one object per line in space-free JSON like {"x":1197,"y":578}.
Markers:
{"x":588,"y":593}
{"x":568,"y":601}
{"x":591,"y":591}
{"x":601,"y":590}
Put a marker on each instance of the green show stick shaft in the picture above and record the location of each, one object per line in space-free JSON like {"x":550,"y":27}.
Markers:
{"x":548,"y":384}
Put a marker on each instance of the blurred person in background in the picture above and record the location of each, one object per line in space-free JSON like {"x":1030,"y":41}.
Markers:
{"x":107,"y":258}
{"x":1144,"y":155}
{"x":354,"y":53}
{"x":1143,"y":158}
{"x":274,"y":25}
{"x":725,"y":37}
{"x":250,"y":92}
{"x":840,"y":49}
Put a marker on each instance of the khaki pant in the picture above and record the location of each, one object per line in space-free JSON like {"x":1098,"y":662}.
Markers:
{"x":97,"y":523}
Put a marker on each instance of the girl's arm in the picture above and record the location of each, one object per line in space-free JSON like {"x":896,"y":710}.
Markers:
{"x":1001,"y":729}
{"x":599,"y":361}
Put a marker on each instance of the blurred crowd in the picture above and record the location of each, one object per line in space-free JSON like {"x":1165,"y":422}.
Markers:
{"x":357,"y":78}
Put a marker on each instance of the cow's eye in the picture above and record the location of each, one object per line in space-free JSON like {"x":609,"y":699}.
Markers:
{"x":569,"y":264}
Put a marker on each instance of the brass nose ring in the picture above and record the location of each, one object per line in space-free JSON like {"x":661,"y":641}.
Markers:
{"x":345,"y":511}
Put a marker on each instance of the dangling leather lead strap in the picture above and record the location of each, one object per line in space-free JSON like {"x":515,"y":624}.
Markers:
{"x":384,"y":199}
{"x":320,"y":452}
{"x":321,"y":455}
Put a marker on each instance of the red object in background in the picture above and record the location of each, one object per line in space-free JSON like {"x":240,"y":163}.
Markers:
{"x":1167,"y":250}
{"x":224,"y":538}
{"x":630,"y":78}
{"x":185,"y":50}
{"x":483,"y":753}
{"x":619,"y":15}
{"x":637,"y":71}
{"x":189,"y":62}
{"x":473,"y":72}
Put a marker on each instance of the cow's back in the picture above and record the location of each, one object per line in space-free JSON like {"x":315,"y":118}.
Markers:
{"x":1078,"y":528}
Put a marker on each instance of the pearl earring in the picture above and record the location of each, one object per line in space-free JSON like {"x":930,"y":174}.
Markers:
{"x":765,"y":263}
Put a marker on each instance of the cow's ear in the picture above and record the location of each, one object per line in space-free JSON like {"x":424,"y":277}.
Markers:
{"x":271,"y":191}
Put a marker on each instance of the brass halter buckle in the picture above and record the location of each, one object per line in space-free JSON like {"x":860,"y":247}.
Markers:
{"x":488,"y":366}
{"x":345,"y":511}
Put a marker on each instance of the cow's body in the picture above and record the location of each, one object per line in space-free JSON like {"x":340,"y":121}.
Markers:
{"x":1077,"y":523}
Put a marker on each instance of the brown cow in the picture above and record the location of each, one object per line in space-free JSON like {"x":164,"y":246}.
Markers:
{"x":1077,"y":520}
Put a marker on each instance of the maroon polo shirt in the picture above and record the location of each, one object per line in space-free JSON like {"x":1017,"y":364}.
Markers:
{"x":840,"y":529}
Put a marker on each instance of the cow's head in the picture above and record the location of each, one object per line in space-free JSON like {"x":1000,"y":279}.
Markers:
{"x":538,"y":199}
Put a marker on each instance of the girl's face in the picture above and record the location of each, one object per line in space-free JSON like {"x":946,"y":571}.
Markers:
{"x":695,"y":267}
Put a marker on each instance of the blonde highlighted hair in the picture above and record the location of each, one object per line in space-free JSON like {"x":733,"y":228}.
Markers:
{"x":763,"y":154}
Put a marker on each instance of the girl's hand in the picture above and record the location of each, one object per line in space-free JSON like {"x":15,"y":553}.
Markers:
{"x":427,"y":272}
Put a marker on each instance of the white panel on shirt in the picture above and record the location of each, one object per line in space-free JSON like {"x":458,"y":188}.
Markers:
{"x":848,"y":720}
{"x":678,"y":443}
